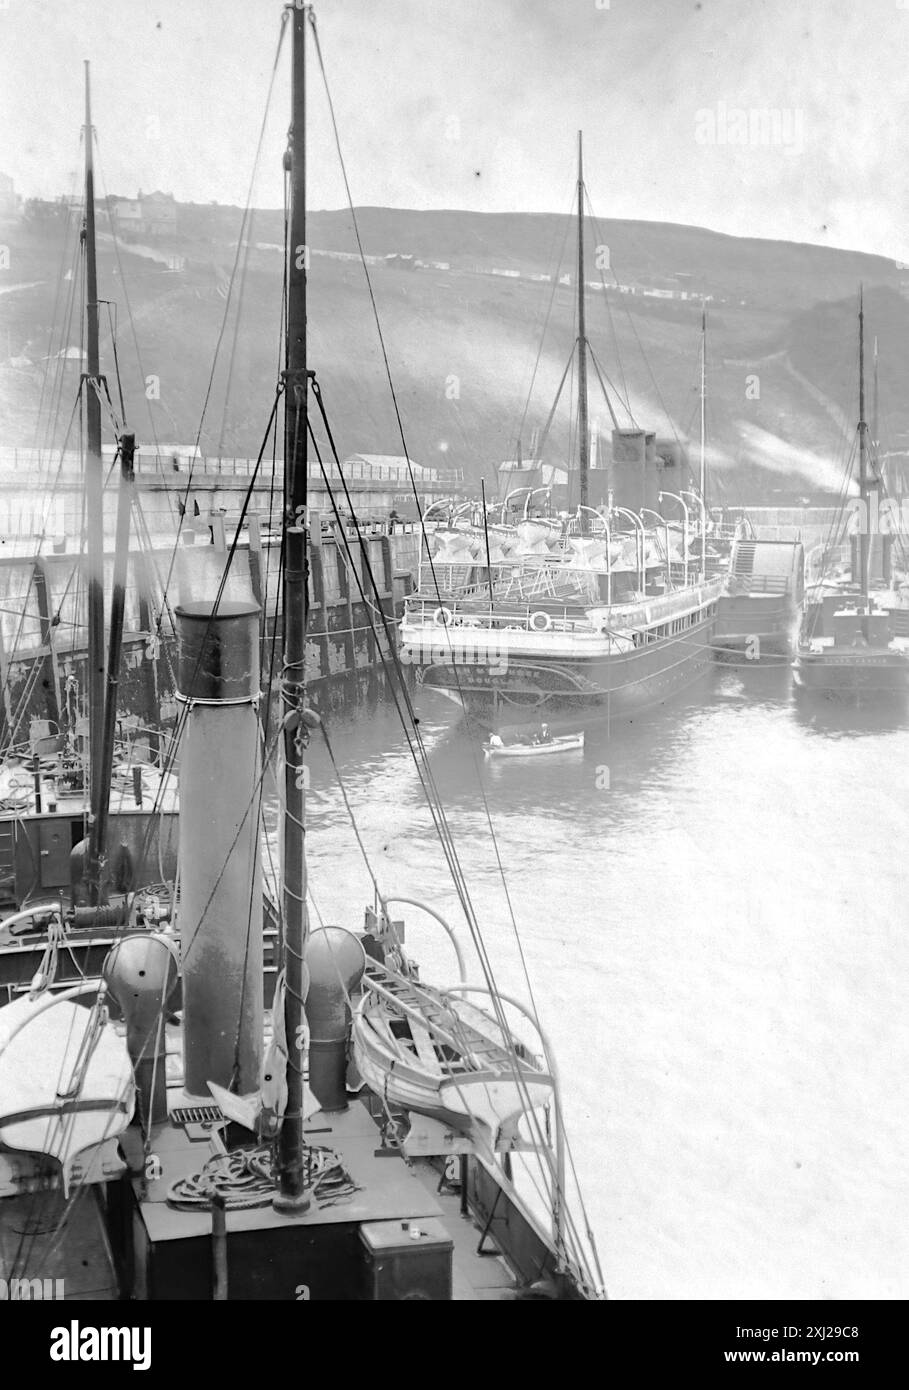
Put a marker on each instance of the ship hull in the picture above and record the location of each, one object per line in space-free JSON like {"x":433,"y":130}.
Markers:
{"x":850,"y":674}
{"x":759,"y":612}
{"x":756,"y":624}
{"x":617,"y":685}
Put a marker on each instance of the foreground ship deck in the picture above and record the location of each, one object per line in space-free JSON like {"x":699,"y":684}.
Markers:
{"x":410,"y":1231}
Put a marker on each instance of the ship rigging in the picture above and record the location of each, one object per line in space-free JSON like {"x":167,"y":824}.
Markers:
{"x":168,"y":1056}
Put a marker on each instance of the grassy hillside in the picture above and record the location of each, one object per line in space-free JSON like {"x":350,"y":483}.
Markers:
{"x":462,"y":343}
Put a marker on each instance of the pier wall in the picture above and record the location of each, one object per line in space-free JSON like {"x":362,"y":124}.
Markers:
{"x":43,"y":634}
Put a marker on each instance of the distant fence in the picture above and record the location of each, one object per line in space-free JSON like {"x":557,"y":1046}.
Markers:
{"x":31,"y":467}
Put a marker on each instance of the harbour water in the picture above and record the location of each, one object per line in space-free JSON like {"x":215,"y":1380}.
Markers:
{"x":711,"y":907}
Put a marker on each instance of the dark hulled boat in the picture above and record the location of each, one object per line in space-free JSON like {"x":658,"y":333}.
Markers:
{"x":851,"y":642}
{"x":762,"y":603}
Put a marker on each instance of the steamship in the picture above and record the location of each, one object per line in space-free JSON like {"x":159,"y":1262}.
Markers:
{"x":603,"y":612}
{"x":854,"y":640}
{"x":567,"y":624}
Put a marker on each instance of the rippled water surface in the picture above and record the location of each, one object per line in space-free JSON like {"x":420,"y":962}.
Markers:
{"x":718,"y":946}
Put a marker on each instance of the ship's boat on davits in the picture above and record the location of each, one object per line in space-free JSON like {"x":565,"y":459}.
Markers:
{"x":67,"y":1088}
{"x":436,"y":1054}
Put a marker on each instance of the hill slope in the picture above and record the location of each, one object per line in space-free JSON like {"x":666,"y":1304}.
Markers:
{"x":462,"y":342}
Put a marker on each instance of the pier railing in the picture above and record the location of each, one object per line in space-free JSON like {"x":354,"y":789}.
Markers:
{"x":23,"y":462}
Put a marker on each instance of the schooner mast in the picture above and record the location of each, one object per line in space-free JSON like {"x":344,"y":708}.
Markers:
{"x":863,"y":548}
{"x":295,"y":598}
{"x":94,"y":518}
{"x":583,"y":425}
{"x":702,"y":483}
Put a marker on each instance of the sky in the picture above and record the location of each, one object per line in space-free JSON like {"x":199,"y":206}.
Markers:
{"x":783,"y":119}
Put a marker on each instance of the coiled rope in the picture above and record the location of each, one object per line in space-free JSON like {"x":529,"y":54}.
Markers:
{"x":245,"y":1179}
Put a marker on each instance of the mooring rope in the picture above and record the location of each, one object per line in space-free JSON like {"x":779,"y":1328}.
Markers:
{"x":245,"y":1179}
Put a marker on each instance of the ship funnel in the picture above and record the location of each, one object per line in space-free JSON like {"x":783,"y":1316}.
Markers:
{"x":141,"y":975}
{"x":336,"y":961}
{"x":220,"y":874}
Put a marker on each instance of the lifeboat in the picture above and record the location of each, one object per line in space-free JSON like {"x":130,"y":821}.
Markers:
{"x":431,"y":1052}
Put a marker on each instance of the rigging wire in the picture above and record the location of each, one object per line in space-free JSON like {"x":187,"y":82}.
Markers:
{"x":425,"y":773}
{"x":637,"y":338}
{"x":541,"y":339}
{"x":233,"y":274}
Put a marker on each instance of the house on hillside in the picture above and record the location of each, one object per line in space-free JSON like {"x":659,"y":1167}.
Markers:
{"x":151,"y":215}
{"x":159,"y":214}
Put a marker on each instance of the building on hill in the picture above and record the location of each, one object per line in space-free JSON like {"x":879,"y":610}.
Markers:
{"x":152,"y":215}
{"x":159,"y":214}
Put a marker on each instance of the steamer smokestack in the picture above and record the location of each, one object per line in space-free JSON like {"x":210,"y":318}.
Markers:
{"x":221,"y":877}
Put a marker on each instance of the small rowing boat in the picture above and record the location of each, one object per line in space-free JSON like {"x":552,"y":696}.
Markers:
{"x":564,"y":743}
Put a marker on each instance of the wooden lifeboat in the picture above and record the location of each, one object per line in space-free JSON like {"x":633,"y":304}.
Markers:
{"x":423,"y":1050}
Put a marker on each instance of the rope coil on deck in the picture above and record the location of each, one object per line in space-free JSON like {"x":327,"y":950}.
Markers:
{"x":244,"y":1179}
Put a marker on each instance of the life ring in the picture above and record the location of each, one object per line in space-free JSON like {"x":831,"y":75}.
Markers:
{"x":540,"y":621}
{"x":442,"y":617}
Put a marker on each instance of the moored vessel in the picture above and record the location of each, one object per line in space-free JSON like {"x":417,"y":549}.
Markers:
{"x":852,"y":643}
{"x":760,"y":609}
{"x":598,"y":611}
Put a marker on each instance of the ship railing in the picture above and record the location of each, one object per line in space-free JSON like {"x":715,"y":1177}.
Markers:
{"x":537,"y":617}
{"x":546,"y":614}
{"x":759,"y":583}
{"x":728,"y":531}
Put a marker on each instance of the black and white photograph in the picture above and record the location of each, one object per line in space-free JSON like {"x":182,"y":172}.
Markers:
{"x":454,"y":665}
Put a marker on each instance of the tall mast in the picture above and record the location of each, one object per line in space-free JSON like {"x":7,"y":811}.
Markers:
{"x":875,"y":417}
{"x":703,"y":477}
{"x":863,"y":451}
{"x":101,"y":803}
{"x":94,"y":502}
{"x":295,"y":599}
{"x":583,"y":427}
